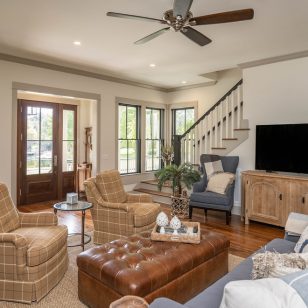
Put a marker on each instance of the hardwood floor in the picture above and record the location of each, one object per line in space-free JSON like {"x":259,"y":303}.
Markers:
{"x":244,"y":239}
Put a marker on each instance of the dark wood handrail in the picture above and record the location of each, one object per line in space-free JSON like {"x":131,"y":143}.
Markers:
{"x":212,"y":108}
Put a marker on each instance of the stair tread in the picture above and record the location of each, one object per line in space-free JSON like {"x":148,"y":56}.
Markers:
{"x":229,"y":138}
{"x":155,"y":182}
{"x":153,"y":192}
{"x":241,"y":128}
{"x":218,"y":148}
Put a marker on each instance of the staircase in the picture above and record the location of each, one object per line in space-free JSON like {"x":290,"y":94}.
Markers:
{"x":219,"y":131}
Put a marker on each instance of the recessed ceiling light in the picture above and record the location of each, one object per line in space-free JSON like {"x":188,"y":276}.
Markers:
{"x":184,"y":82}
{"x":152,"y":65}
{"x":77,"y":43}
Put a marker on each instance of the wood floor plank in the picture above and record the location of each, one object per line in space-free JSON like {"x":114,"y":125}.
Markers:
{"x":244,"y":239}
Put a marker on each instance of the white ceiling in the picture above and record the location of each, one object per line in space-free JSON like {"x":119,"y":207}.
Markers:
{"x":45,"y":30}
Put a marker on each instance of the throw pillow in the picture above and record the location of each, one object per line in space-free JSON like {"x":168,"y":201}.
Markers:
{"x":273,"y":264}
{"x":266,"y":293}
{"x":213,"y":167}
{"x":301,"y":245}
{"x":220,"y":182}
{"x":296,"y":223}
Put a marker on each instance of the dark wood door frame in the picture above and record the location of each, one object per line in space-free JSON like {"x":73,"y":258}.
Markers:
{"x":61,"y":177}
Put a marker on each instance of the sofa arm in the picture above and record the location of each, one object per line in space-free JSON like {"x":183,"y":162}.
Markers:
{"x":139,"y":198}
{"x":37,"y":219}
{"x":14,"y":248}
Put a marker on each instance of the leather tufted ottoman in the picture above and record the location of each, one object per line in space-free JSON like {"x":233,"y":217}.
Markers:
{"x":138,"y":266}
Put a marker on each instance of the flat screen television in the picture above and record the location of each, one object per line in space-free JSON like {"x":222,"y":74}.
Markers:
{"x":282,"y":147}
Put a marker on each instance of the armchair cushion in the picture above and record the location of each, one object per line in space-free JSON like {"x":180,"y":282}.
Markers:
{"x":145,"y":214}
{"x":9,"y":219}
{"x":43,"y":242}
{"x":37,"y":219}
{"x":110,"y":186}
{"x":209,"y":197}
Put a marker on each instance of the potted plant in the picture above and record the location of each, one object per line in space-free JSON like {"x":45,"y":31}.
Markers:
{"x":177,"y":176}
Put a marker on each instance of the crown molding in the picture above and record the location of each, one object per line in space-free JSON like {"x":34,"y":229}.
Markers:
{"x":75,"y":71}
{"x":265,"y":61}
{"x":193,"y":86}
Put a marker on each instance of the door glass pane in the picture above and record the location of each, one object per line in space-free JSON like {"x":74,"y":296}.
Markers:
{"x":46,"y":157}
{"x":122,"y":156}
{"x":180,"y":122}
{"x":33,"y":123}
{"x":68,"y":156}
{"x":131,"y":122}
{"x":122,"y":122}
{"x":132,"y":156}
{"x":33,"y":159}
{"x":68,"y":125}
{"x":46,"y":123}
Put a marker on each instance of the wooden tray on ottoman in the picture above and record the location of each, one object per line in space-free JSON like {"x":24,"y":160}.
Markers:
{"x":180,"y":237}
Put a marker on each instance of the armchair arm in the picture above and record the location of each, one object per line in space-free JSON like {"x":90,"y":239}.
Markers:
{"x":37,"y":219}
{"x":14,"y":247}
{"x":127,"y":207}
{"x":200,"y":186}
{"x":139,"y":198}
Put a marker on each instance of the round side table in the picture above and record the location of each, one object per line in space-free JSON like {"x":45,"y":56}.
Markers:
{"x":80,"y":206}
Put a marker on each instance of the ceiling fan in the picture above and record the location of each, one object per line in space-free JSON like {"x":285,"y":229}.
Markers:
{"x":181,"y":19}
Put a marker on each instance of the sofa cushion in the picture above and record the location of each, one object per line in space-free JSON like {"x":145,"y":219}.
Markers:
{"x":145,"y":214}
{"x":9,"y":219}
{"x":43,"y":242}
{"x":110,"y":186}
{"x":211,"y":297}
{"x":209,"y":197}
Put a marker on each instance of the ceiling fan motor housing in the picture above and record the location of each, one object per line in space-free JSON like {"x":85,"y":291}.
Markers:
{"x":178,"y":22}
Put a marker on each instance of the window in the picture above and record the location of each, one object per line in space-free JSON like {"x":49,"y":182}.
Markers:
{"x":154,"y":139}
{"x":182,"y":120}
{"x":129,"y":139}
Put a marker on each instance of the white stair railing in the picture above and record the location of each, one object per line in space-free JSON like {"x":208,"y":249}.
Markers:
{"x":217,"y":124}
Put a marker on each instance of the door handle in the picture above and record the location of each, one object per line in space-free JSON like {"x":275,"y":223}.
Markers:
{"x":280,"y":196}
{"x":55,"y":160}
{"x":303,"y":200}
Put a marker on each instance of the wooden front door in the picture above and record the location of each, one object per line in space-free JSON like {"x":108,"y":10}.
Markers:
{"x":46,"y":151}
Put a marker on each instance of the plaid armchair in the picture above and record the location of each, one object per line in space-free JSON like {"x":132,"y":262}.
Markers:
{"x":33,"y":252}
{"x":116,"y":213}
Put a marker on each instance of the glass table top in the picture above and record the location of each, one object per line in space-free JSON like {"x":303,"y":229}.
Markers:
{"x":80,"y":206}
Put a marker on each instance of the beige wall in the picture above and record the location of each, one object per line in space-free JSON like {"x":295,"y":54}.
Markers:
{"x":207,"y":96}
{"x":273,"y":94}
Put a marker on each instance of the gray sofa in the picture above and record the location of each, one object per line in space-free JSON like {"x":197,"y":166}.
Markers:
{"x":212,"y":296}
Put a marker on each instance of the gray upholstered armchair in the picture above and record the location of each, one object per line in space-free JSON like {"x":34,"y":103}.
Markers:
{"x":200,"y":198}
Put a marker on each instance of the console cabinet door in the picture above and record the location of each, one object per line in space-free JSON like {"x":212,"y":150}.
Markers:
{"x":265,"y":200}
{"x":298,"y":197}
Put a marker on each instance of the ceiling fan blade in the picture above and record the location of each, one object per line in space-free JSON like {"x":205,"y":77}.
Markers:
{"x":196,"y":36}
{"x":152,"y":36}
{"x":181,"y":7}
{"x":218,"y":18}
{"x":127,"y":16}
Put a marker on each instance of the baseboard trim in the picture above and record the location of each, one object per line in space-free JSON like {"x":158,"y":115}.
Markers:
{"x":236,"y":208}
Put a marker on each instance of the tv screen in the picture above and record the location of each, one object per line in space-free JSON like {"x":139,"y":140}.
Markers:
{"x":282,"y":148}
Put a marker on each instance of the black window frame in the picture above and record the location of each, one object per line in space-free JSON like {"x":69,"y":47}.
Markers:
{"x":174,"y":119}
{"x":137,"y":139}
{"x":161,"y":136}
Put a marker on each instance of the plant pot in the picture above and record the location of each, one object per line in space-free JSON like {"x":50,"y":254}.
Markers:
{"x":180,"y":206}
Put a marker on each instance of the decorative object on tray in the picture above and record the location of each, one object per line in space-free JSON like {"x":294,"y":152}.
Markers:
{"x":167,"y":154}
{"x":72,"y":198}
{"x":162,"y":221}
{"x":189,"y":232}
{"x":175,"y":224}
